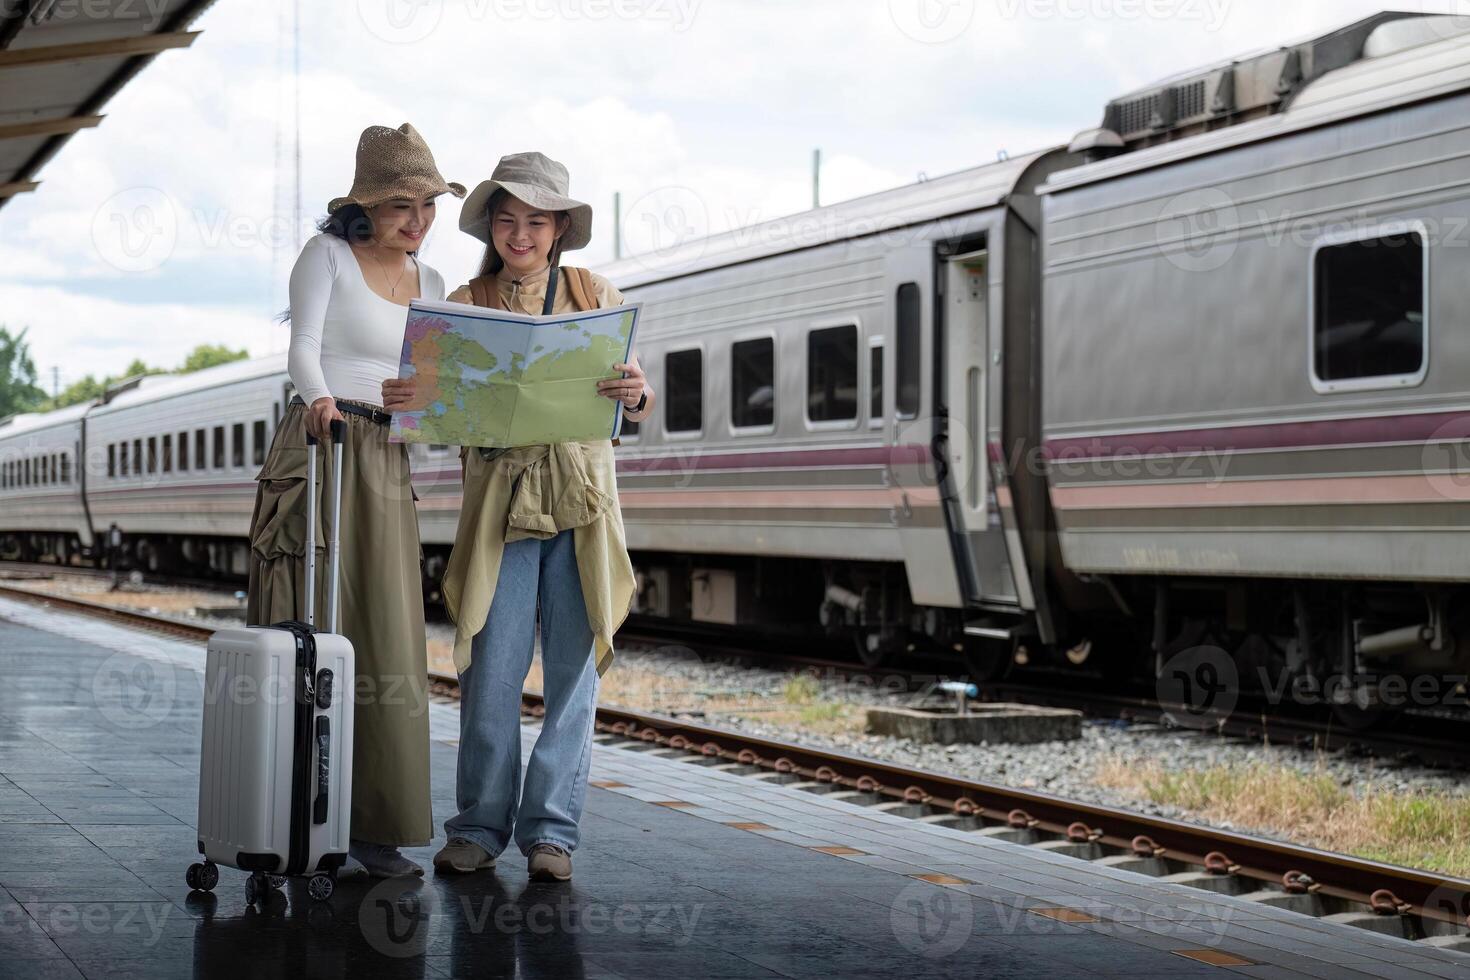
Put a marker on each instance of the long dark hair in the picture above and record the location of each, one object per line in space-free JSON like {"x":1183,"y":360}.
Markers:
{"x":350,"y":222}
{"x":353,"y":225}
{"x":492,"y":262}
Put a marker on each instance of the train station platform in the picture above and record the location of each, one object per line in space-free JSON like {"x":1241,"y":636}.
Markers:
{"x":684,"y":871}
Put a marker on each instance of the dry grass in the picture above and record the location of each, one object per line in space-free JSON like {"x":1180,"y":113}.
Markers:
{"x":1416,"y":829}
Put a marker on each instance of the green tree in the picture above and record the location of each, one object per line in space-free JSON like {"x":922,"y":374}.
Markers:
{"x":18,"y":390}
{"x":210,"y":355}
{"x":89,"y":387}
{"x":82,"y":390}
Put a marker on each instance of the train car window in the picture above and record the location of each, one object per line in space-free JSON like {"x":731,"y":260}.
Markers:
{"x":137,"y":457}
{"x":152,"y":454}
{"x":753,"y":382}
{"x":66,"y":467}
{"x":237,"y":444}
{"x":219,"y":447}
{"x":183,"y":452}
{"x":55,"y":468}
{"x":875,"y":383}
{"x":1369,"y":322}
{"x":628,"y":430}
{"x":25,"y":479}
{"x":112,"y":461}
{"x":908,"y":340}
{"x":684,"y":409}
{"x":123,"y":459}
{"x":832,"y":374}
{"x":168,"y":452}
{"x":257,"y":443}
{"x":201,"y":451}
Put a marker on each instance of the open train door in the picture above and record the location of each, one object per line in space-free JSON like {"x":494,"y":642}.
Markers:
{"x":994,"y":606}
{"x":966,"y":488}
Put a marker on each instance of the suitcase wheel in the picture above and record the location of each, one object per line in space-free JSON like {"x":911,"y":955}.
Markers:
{"x":276,"y":881}
{"x":320,"y":887}
{"x":252,"y":890}
{"x":202,"y":877}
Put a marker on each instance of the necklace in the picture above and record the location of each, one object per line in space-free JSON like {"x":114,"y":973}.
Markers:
{"x":393,"y":286}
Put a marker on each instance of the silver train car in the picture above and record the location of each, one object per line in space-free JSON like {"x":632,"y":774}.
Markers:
{"x":1254,"y":403}
{"x":171,"y":460}
{"x":42,"y":506}
{"x":827,"y":383}
{"x":1193,"y":381}
{"x":1177,"y":376}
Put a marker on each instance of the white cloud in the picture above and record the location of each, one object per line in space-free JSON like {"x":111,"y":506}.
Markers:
{"x":83,"y":335}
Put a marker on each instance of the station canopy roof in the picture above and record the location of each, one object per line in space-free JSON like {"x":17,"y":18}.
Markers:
{"x":62,"y":60}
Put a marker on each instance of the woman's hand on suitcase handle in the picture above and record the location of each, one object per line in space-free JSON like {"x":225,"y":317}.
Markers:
{"x":320,"y":416}
{"x":397,"y":394}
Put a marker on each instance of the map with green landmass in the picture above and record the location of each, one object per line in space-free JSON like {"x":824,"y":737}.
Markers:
{"x":490,"y":378}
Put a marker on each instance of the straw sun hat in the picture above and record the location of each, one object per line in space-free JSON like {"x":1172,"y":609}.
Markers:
{"x":539,"y":181}
{"x":393,"y":163}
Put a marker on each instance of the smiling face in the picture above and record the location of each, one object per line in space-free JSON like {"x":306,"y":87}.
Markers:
{"x":402,"y":222}
{"x":523,"y":235}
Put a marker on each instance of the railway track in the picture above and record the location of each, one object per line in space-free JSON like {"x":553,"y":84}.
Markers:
{"x":1426,"y":739}
{"x":1418,"y":904}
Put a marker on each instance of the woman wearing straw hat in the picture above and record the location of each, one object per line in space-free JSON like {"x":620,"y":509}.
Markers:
{"x":539,"y":530}
{"x":349,"y":292}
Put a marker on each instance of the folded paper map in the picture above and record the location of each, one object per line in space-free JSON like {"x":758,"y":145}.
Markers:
{"x":491,"y":378}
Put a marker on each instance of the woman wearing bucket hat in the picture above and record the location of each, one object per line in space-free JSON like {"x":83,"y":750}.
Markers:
{"x":540,"y":530}
{"x":349,"y":292}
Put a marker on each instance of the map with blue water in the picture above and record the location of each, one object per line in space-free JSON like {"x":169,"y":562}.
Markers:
{"x":491,"y":378}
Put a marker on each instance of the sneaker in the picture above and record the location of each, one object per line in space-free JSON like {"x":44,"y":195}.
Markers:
{"x":548,"y":862}
{"x":462,"y":855}
{"x":382,"y":860}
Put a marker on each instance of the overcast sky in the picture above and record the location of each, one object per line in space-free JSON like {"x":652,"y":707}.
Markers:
{"x":171,"y":224}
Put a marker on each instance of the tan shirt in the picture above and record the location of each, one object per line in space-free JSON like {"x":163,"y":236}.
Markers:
{"x":537,"y":492}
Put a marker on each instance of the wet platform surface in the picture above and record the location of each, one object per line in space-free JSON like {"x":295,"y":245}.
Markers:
{"x":684,"y":871}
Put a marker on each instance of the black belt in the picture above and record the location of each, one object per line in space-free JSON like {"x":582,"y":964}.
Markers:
{"x":372,"y":414}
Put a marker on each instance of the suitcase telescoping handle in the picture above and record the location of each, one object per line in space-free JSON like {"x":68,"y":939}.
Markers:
{"x":334,"y":548}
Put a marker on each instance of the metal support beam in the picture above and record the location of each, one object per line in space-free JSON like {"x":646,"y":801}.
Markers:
{"x":48,"y":127}
{"x":121,"y":47}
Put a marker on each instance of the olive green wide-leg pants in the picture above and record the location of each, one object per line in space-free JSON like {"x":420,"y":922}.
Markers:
{"x":382,"y":610}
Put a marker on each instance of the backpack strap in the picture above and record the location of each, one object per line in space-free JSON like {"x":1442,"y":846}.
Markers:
{"x":578,"y":282}
{"x":483,"y":292}
{"x":582,"y":288}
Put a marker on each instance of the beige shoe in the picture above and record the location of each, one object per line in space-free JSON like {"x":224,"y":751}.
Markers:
{"x":549,"y":863}
{"x":462,"y":856}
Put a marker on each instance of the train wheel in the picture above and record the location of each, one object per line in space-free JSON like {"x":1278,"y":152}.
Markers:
{"x":1361,"y":712}
{"x":876,"y":647}
{"x":988,"y":660}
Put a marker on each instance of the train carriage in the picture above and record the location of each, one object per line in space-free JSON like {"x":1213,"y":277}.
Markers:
{"x":176,"y":458}
{"x":828,"y":382}
{"x":1255,"y":394}
{"x":41,"y":488}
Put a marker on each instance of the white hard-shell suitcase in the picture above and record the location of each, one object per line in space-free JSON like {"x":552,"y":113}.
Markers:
{"x":275,"y":780}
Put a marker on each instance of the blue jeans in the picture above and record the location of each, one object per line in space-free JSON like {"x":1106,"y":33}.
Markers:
{"x":534,"y":574}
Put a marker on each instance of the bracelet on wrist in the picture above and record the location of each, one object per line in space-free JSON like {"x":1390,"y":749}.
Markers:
{"x":642,"y":403}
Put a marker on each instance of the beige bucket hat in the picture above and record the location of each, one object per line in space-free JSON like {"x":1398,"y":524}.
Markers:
{"x":539,"y":181}
{"x":393,"y":163}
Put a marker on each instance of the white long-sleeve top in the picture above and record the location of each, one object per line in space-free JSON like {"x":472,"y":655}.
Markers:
{"x":345,"y":338}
